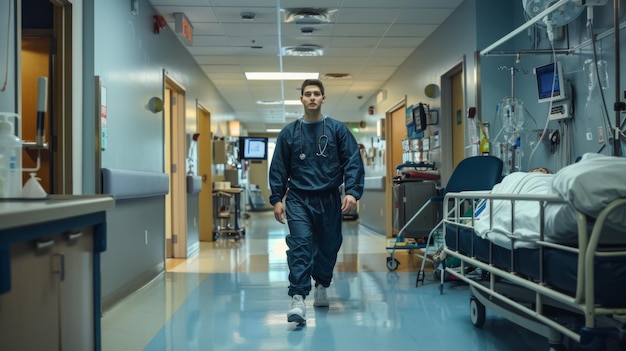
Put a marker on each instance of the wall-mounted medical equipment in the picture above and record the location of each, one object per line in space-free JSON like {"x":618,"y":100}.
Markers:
{"x":553,"y":87}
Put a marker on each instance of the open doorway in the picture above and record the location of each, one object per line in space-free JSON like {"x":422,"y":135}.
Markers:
{"x":453,"y":118}
{"x":395,"y":131}
{"x":176,"y":199}
{"x":46,"y":51}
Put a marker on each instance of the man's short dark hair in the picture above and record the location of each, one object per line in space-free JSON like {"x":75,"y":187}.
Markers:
{"x":315,"y":82}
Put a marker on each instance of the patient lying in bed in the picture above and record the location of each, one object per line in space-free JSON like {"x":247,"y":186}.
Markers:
{"x":587,"y":186}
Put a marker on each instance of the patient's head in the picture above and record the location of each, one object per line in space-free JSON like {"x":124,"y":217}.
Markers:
{"x":540,"y":170}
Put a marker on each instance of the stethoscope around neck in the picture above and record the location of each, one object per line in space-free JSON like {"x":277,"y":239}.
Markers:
{"x":322,"y":139}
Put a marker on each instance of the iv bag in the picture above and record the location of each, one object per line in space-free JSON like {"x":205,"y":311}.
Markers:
{"x":511,"y":112}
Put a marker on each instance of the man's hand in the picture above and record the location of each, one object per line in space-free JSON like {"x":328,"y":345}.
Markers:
{"x":348,"y":204}
{"x":279,"y":212}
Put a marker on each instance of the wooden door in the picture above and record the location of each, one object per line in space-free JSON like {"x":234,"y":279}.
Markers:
{"x":205,"y":158}
{"x":398,"y":133}
{"x":176,"y":199}
{"x":458,"y":119}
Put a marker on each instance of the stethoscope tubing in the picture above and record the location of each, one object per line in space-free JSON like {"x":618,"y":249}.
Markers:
{"x":322,"y":138}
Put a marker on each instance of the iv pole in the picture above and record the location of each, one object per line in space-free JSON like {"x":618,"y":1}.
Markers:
{"x":511,"y":146}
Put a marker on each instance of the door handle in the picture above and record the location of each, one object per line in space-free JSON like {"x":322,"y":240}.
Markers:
{"x":42,"y":245}
{"x":74,"y":236}
{"x":61,"y":270}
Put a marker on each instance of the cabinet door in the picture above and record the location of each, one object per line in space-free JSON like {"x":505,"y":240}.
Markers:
{"x":77,"y":300}
{"x":29,"y":312}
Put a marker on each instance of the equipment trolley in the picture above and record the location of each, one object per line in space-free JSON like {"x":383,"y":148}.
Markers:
{"x":413,"y":213}
{"x":227,"y":214}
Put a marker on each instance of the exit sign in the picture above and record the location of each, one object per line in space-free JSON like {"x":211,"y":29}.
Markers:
{"x":183,"y":28}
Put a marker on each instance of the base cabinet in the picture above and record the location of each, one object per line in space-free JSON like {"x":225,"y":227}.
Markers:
{"x":51,"y":302}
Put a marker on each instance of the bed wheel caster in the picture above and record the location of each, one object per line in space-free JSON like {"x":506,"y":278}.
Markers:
{"x":477,"y":313}
{"x":392,"y":264}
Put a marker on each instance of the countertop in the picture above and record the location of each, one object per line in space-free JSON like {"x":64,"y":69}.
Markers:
{"x":20,"y":212}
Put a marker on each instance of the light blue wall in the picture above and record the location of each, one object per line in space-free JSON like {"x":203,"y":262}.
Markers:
{"x":131,"y":59}
{"x":453,"y":43}
{"x":526,"y":90}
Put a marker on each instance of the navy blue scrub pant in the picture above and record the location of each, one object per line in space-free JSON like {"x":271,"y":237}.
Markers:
{"x":314,"y":238}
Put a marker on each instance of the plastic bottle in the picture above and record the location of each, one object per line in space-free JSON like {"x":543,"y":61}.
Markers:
{"x":10,"y":157}
{"x":474,"y":139}
{"x":32,"y":188}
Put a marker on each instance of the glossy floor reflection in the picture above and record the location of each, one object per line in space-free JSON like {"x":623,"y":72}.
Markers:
{"x":233,"y":296}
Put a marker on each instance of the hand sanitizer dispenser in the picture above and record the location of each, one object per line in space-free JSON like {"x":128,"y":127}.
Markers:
{"x":10,"y":158}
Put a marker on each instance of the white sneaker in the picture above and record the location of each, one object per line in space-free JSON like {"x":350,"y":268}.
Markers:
{"x":297,"y":311}
{"x":321,"y":299}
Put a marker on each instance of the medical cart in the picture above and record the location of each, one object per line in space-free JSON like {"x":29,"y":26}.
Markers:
{"x":414,"y":217}
{"x":227,"y":222}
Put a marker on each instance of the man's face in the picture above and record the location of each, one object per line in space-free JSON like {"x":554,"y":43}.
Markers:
{"x":312,"y":98}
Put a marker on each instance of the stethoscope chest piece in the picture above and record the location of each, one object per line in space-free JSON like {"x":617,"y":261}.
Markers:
{"x":322,"y":139}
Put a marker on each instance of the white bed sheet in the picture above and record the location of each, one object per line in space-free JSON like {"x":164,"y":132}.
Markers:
{"x":524,"y":225}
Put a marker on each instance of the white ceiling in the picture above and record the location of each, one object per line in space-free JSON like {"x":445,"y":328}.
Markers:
{"x":367,"y":39}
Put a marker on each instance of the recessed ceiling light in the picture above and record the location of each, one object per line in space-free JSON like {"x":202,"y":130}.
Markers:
{"x":273,"y":130}
{"x":281,"y":75}
{"x":303,"y":50}
{"x":278,"y":102}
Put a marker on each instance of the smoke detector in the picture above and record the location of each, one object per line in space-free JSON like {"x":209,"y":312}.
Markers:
{"x":248,"y":16}
{"x":303,"y":50}
{"x":307,"y":16}
{"x":307,"y":30}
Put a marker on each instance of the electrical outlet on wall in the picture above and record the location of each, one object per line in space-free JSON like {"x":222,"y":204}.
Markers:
{"x":600,"y":135}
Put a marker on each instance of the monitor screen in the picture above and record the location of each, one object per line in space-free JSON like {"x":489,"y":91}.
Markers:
{"x":253,"y":148}
{"x":550,"y":85}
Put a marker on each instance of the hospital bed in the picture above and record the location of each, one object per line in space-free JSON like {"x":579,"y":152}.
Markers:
{"x":550,"y":252}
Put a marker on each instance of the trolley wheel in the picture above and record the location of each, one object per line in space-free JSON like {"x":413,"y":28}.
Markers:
{"x":237,"y":237}
{"x":392,"y":264}
{"x":215,"y":236}
{"x":557,"y":347}
{"x":477,"y":313}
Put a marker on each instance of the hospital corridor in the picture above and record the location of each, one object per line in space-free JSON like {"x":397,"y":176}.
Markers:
{"x":233,"y":296}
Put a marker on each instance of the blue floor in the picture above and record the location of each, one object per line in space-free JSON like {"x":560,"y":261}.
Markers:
{"x":368,"y":311}
{"x":233,"y":296}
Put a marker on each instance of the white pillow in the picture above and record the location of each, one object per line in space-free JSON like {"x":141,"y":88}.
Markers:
{"x":592,"y":183}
